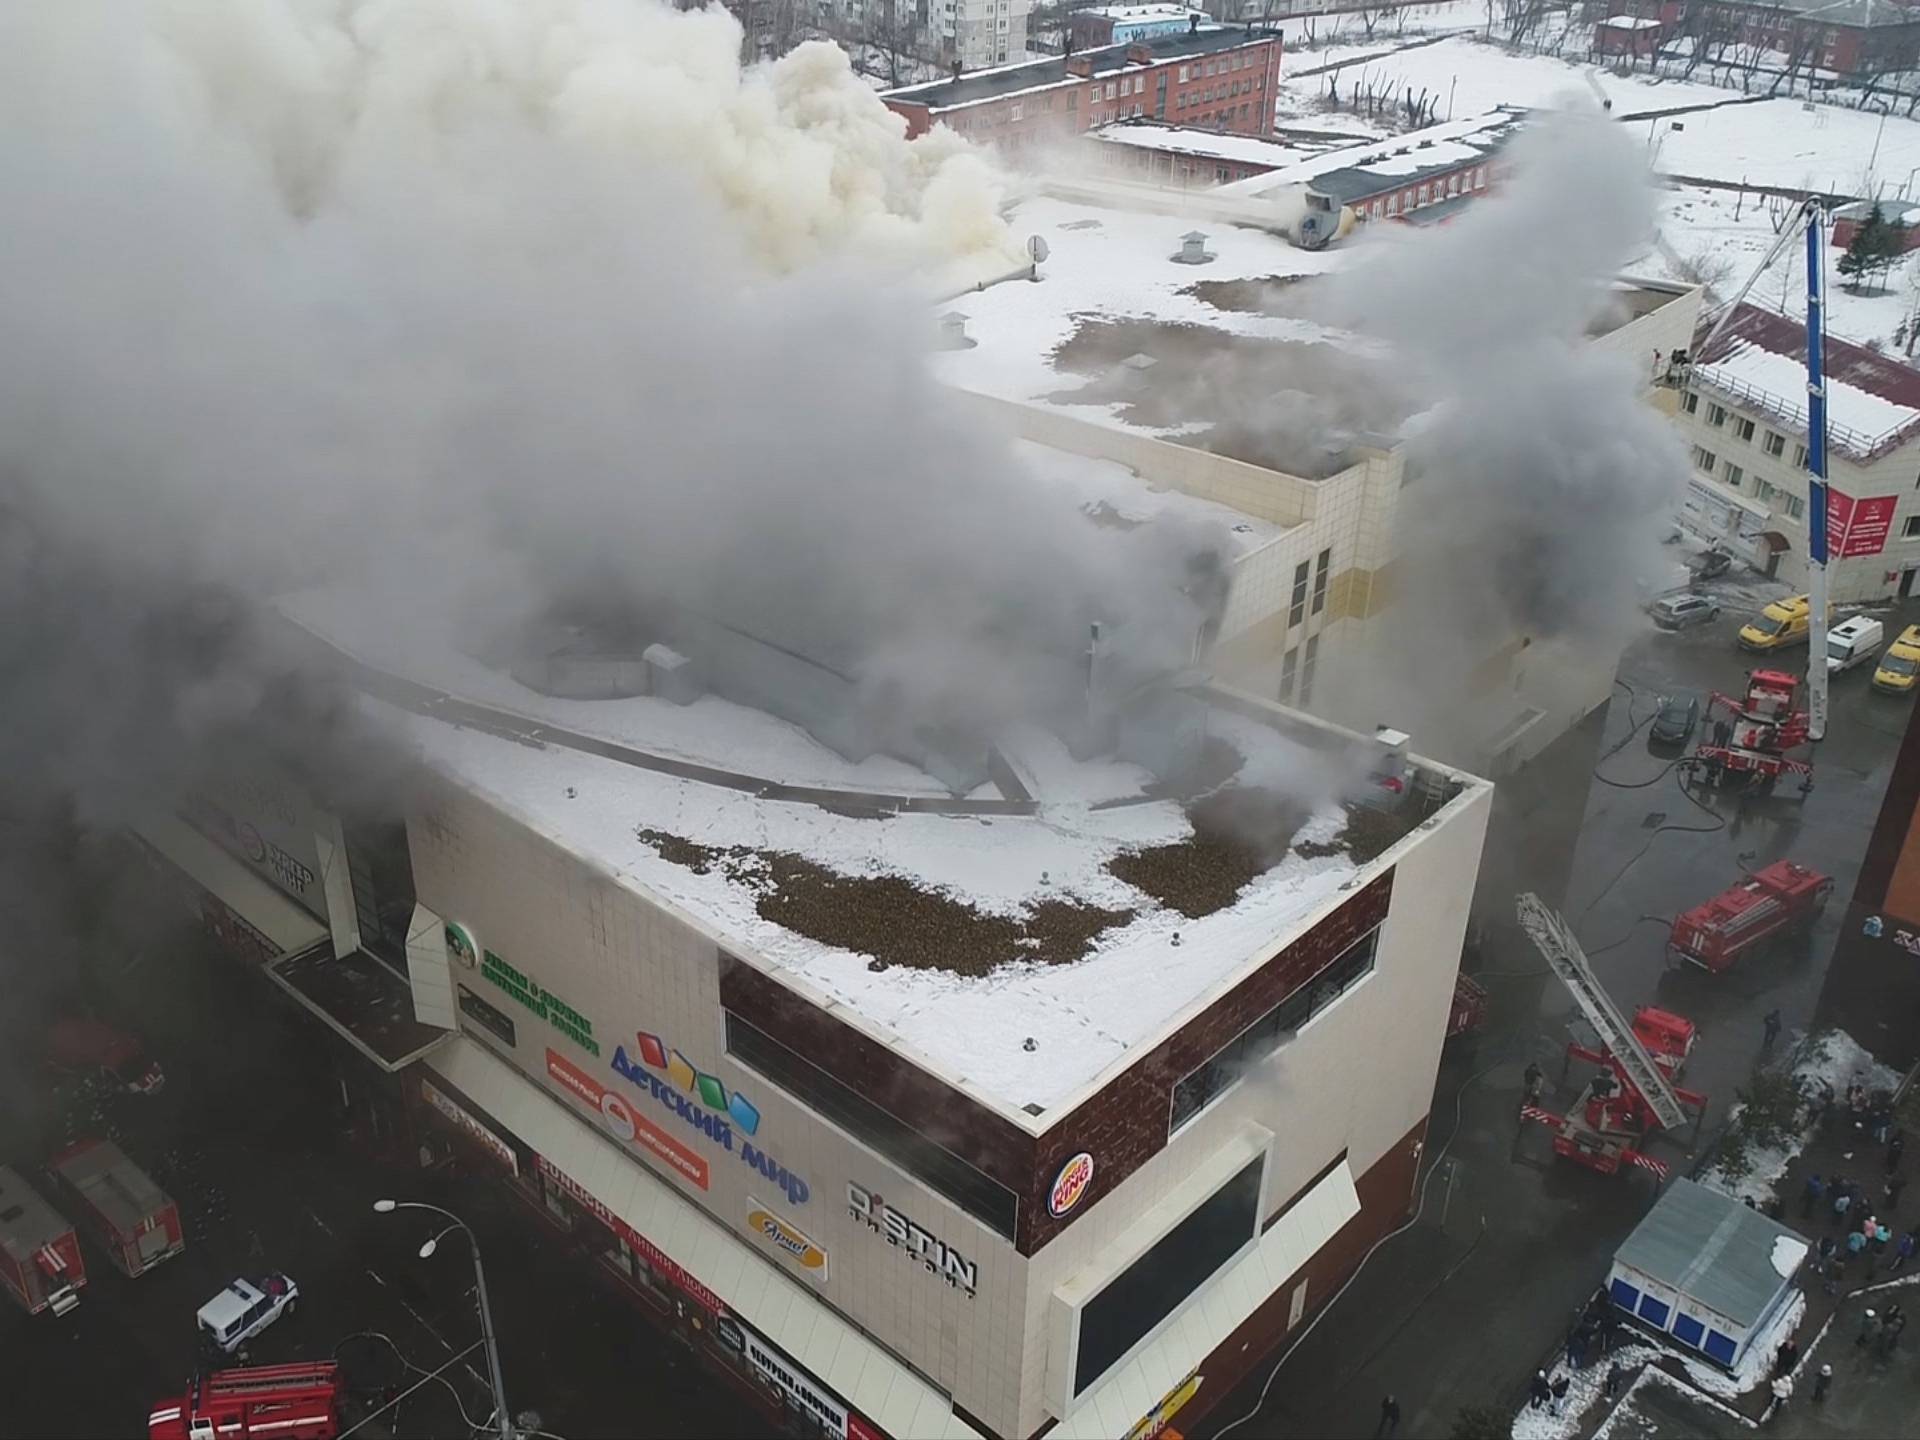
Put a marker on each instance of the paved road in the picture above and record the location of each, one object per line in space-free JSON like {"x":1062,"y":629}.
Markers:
{"x":249,"y":1136}
{"x":1455,"y":1315}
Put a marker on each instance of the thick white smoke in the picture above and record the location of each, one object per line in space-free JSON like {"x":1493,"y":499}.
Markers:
{"x":482,"y":308}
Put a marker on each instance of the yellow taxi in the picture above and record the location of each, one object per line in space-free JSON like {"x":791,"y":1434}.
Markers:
{"x":1900,"y":666}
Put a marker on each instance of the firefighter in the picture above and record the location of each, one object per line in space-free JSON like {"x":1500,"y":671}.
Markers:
{"x":1535,"y":1079}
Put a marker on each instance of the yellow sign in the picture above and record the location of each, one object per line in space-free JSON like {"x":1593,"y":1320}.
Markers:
{"x":789,"y":1240}
{"x":1163,"y":1413}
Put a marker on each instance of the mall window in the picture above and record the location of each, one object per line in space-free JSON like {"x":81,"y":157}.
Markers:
{"x":1136,"y":1300}
{"x":1321,"y":564}
{"x":1307,"y":661}
{"x":936,"y":1167}
{"x":381,"y":870}
{"x":1289,"y":667}
{"x":1297,"y":611}
{"x":1224,"y":1069}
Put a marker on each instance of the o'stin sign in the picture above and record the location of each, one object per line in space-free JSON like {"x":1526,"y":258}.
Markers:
{"x":1070,"y":1185}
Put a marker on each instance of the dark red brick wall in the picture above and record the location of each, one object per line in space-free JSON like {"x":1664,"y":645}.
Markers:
{"x":1121,"y":1127}
{"x":1125,"y":1125}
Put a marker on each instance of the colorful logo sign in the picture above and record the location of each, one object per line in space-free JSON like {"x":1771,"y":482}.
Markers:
{"x":788,"y":1239}
{"x":678,"y":1084}
{"x":623,"y":1124}
{"x":1156,"y":1423}
{"x":461,"y":945}
{"x":939,"y":1258}
{"x":1070,"y":1185}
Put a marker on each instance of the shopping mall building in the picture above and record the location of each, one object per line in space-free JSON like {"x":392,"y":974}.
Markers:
{"x":1052,"y":1104}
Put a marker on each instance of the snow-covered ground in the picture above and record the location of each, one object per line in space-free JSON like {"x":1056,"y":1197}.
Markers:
{"x":1833,"y":1057}
{"x":1792,"y":143}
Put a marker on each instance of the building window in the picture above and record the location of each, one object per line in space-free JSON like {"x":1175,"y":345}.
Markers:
{"x":1704,"y":459}
{"x":1690,"y":402}
{"x":936,"y":1167}
{"x":1910,"y":528}
{"x":1716,"y":415}
{"x":1799,"y":457}
{"x":1015,"y":111}
{"x":1793,"y":505}
{"x":1297,"y":611}
{"x":1307,"y":662}
{"x":1110,"y":90}
{"x":1321,"y":564}
{"x":1136,"y":1300}
{"x":1289,"y":667}
{"x":1774,"y":444}
{"x":1763,"y":491}
{"x":1743,"y":427}
{"x":1735,"y":476}
{"x":1232,"y":1061}
{"x":1453,"y":183}
{"x":1183,"y":74}
{"x":1393,"y":204}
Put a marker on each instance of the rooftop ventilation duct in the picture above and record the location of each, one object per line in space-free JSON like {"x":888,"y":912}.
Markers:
{"x":1193,"y":249}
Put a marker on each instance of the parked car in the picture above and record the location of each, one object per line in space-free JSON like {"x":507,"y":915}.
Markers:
{"x":1710,"y":563}
{"x":82,"y":1045}
{"x":1673,"y":722}
{"x":1677,"y":612}
{"x":244,"y":1309}
{"x":1900,"y":666}
{"x":1780,"y":624}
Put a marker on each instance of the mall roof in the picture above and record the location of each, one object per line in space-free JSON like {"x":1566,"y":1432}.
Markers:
{"x":1006,"y":80}
{"x":1031,"y":1029}
{"x":1354,"y":172}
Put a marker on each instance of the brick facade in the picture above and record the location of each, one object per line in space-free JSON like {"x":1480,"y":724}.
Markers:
{"x":1122,"y":1127}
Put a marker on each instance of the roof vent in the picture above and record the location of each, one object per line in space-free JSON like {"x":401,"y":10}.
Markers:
{"x":1081,"y":65}
{"x":953,"y":332}
{"x":1193,"y":249}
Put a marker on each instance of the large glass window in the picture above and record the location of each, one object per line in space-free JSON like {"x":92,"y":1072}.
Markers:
{"x":1154,"y":1286}
{"x":1223,"y":1070}
{"x":981,"y":1196}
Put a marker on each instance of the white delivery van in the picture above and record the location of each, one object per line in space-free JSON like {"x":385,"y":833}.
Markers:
{"x":1853,"y":642}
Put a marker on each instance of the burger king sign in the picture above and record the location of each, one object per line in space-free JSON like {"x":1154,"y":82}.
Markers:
{"x":1070,"y":1185}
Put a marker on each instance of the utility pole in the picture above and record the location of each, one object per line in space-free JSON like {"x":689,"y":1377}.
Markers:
{"x":1817,"y":469}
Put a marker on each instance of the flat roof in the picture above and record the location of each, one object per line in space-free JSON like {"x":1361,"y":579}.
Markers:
{"x":1017,"y":953}
{"x":1004,"y":80}
{"x":1353,"y":171}
{"x":1717,"y":1251}
{"x":1273,"y":152}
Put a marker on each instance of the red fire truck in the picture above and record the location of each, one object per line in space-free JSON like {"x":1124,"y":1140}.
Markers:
{"x":286,"y":1402}
{"x":1779,"y":898}
{"x":40,"y":1263}
{"x":126,"y":1212}
{"x":1750,"y":744}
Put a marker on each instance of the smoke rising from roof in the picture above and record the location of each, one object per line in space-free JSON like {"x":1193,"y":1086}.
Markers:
{"x":1539,"y":483}
{"x":489,"y":310}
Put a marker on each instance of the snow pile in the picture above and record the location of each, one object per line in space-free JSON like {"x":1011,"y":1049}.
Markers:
{"x":1833,"y":1058}
{"x":1787,"y":1254}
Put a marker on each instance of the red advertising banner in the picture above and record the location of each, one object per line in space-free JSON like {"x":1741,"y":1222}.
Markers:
{"x":1858,"y":527}
{"x":619,"y":1118}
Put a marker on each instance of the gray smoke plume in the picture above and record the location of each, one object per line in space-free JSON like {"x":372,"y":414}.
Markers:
{"x":1539,"y":483}
{"x":491,"y":312}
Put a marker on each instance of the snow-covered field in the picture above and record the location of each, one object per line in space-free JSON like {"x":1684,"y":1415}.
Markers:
{"x":1791,"y":143}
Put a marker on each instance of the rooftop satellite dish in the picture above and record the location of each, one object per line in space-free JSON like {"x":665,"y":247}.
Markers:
{"x":1036,"y":248}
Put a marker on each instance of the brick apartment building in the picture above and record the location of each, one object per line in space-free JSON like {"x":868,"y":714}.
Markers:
{"x":1847,"y":37}
{"x":1221,"y":79}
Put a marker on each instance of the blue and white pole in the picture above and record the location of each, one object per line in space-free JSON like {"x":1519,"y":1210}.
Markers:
{"x":1816,"y":471}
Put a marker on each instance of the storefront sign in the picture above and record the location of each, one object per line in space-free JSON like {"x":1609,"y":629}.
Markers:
{"x":470,"y":1125}
{"x":674,"y":1089}
{"x":636,"y":1242}
{"x":461,"y":945}
{"x":935,"y":1254}
{"x":623,"y":1124}
{"x":788,"y":1239}
{"x":1858,"y":527}
{"x":544,"y":1004}
{"x":1163,"y":1413}
{"x":1070,"y":1185}
{"x":1874,"y":928}
{"x":791,"y":1379}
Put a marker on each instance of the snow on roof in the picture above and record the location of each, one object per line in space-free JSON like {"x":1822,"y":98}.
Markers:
{"x":1785,"y":143}
{"x":1873,"y":403}
{"x":1018,"y":79}
{"x":1081,"y":1016}
{"x":1443,"y":146}
{"x":1216,"y":145}
{"x":1893,"y":212}
{"x":1630,"y":22}
{"x":1142,"y":12}
{"x":1113,"y":263}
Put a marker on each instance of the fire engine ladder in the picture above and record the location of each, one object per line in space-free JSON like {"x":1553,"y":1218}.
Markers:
{"x":1563,"y":954}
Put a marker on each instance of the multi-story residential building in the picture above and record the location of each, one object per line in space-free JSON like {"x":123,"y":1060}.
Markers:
{"x":1744,"y":414}
{"x":1220,"y":78}
{"x":927,"y":1115}
{"x":975,"y":34}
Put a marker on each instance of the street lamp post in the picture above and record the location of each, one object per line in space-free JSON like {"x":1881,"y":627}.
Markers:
{"x":503,"y":1420}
